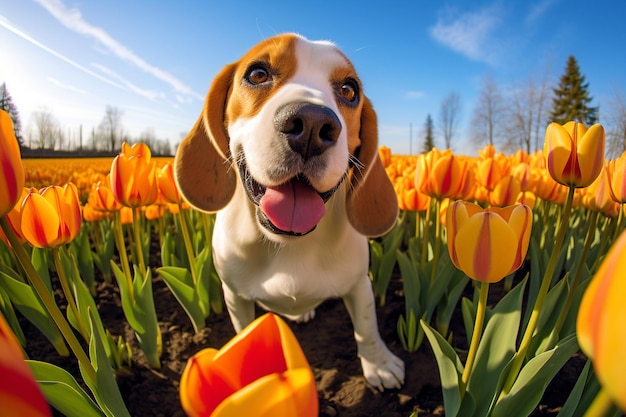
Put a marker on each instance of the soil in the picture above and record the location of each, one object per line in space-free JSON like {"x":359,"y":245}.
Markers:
{"x":327,"y":341}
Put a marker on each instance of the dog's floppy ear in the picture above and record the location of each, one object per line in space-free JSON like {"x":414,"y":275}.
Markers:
{"x":203,"y":174}
{"x":372,"y":205}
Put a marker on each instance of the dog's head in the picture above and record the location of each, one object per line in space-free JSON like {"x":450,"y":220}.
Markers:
{"x":291,"y":121}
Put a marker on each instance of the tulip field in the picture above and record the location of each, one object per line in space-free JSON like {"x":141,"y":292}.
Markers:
{"x":499,"y":286}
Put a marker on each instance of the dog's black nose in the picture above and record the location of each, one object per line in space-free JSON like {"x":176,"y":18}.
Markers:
{"x":309,"y":128}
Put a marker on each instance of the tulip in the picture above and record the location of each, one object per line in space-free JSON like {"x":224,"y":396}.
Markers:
{"x":574,"y":154}
{"x":19,"y":393}
{"x":616,"y":172}
{"x":489,"y":173}
{"x":14,"y":218}
{"x":600,"y":322}
{"x":261,"y":372}
{"x":167,"y":184}
{"x":12,"y":178}
{"x":488,"y":244}
{"x":51,"y":217}
{"x":440,"y":175}
{"x":101,"y":197}
{"x":505,"y":192}
{"x":133,"y":176}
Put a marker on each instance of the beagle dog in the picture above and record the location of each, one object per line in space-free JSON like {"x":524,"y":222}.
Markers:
{"x":285,"y":150}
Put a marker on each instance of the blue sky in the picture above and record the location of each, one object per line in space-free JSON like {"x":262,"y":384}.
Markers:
{"x":155,"y":60}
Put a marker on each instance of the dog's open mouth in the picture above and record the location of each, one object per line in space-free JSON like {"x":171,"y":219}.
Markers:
{"x":292,"y":208}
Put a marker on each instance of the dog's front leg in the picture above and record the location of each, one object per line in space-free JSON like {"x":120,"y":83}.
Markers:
{"x":381,"y":368}
{"x":240,"y":310}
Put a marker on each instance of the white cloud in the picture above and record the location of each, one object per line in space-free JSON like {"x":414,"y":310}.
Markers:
{"x":66,"y":86}
{"x":469,"y":33}
{"x":73,"y":20}
{"x":149,"y":94}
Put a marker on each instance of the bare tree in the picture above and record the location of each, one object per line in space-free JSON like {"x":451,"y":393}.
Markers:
{"x":488,"y":114}
{"x":45,"y":129}
{"x":527,"y":118}
{"x":449,"y":115}
{"x":111,"y":126}
{"x":616,"y":133}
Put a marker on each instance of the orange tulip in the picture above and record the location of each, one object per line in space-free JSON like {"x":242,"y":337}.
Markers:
{"x":440,"y":175}
{"x":262,"y":372}
{"x":19,"y":393}
{"x":600,"y":322}
{"x":51,"y":217}
{"x":597,"y":196}
{"x":616,"y":172}
{"x":12,"y":178}
{"x":101,"y":197}
{"x":505,"y":192}
{"x":167,"y":184}
{"x":133,"y":176}
{"x":574,"y":154}
{"x":14,"y":218}
{"x":489,"y":173}
{"x":488,"y":244}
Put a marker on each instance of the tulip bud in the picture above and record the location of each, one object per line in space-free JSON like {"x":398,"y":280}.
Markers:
{"x":12,"y":178}
{"x":574,"y":154}
{"x":488,"y":244}
{"x":600,"y":322}
{"x":262,"y":371}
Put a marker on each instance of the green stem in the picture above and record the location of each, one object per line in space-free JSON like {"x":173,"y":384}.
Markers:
{"x":121,"y":248}
{"x":188,"y":246}
{"x":426,"y":236}
{"x":437,"y":248}
{"x":69,"y":297}
{"x":591,"y":232}
{"x":138,"y":240}
{"x":601,"y":405}
{"x":476,"y":335}
{"x":48,"y":301}
{"x":620,"y":223}
{"x":520,"y":355}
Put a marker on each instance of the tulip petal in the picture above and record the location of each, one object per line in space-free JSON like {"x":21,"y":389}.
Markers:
{"x":600,"y":322}
{"x":591,"y":154}
{"x":40,"y":221}
{"x":486,"y":247}
{"x":291,"y":393}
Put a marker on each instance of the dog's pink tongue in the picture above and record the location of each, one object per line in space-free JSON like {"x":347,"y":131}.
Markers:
{"x":293,"y":206}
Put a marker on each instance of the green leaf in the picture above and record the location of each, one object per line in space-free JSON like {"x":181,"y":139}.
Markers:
{"x":577,"y":402}
{"x":180,"y":283}
{"x":28,"y":303}
{"x":62,"y":391}
{"x":533,"y":380}
{"x":104,"y":388}
{"x":6,"y":307}
{"x":84,"y":259}
{"x":39,"y":259}
{"x":496,"y":348}
{"x":450,"y":369}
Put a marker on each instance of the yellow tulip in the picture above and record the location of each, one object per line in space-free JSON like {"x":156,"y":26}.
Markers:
{"x":505,"y":192}
{"x":19,"y":393}
{"x":488,"y":244}
{"x":261,"y":372}
{"x":488,"y":173}
{"x":133,"y":176}
{"x":574,"y":154}
{"x":12,"y":178}
{"x":600,"y":322}
{"x":52,"y":216}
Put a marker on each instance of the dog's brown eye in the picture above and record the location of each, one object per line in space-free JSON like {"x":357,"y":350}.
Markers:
{"x":258,"y":75}
{"x":349,"y":91}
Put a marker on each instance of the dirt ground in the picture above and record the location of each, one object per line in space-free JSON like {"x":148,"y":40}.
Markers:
{"x":327,"y":342}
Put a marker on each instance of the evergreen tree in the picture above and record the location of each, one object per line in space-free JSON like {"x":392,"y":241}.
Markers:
{"x":6,"y":104}
{"x":429,"y":140}
{"x":571,"y":100}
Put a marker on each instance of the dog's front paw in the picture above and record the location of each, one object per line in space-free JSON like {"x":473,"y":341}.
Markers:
{"x":386,"y":371}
